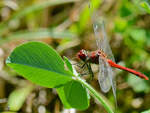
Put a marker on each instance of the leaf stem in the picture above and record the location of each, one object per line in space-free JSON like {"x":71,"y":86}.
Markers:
{"x":96,"y":95}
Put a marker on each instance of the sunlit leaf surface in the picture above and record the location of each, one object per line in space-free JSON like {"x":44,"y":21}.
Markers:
{"x":39,"y":63}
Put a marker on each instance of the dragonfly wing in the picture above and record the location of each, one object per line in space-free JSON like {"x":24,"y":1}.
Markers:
{"x":103,"y":77}
{"x":98,"y":34}
{"x":107,"y":48}
{"x":113,"y":82}
{"x":106,"y":77}
{"x":101,"y":37}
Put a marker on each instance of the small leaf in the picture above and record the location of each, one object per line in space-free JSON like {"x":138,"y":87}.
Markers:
{"x":147,"y":111}
{"x":39,"y":63}
{"x":69,"y":66}
{"x":74,"y":95}
{"x":146,"y":6}
{"x":17,"y":97}
{"x":62,"y":96}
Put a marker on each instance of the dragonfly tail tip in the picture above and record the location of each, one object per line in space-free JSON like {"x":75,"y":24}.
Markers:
{"x":146,"y":78}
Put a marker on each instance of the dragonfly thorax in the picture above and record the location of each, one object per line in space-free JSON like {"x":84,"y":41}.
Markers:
{"x":92,"y":57}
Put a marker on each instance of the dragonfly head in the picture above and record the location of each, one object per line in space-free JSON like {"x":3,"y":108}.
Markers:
{"x":82,"y":55}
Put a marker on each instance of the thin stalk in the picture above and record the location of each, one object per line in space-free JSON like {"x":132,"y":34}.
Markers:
{"x":96,"y":95}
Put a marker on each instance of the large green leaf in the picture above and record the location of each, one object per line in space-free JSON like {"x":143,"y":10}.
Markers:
{"x":74,"y":95}
{"x":39,"y":63}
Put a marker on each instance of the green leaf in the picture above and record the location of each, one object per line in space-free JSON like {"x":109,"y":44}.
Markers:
{"x":70,"y":91}
{"x":67,"y":62}
{"x":39,"y":63}
{"x":62,"y":96}
{"x":74,"y":94}
{"x":96,"y":95}
{"x":147,"y":111}
{"x":146,"y":6}
{"x":17,"y":97}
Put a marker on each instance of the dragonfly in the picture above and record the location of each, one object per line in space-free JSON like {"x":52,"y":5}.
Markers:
{"x":104,"y":57}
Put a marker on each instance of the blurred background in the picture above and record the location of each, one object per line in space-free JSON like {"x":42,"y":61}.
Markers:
{"x":66,"y":26}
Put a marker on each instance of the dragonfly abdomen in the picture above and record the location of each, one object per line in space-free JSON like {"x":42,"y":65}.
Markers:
{"x":113,"y":64}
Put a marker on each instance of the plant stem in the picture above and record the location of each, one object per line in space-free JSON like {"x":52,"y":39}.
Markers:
{"x":96,"y":95}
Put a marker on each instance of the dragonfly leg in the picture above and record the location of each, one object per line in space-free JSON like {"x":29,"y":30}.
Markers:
{"x":83,"y":68}
{"x":90,"y":71}
{"x":79,"y":65}
{"x":86,"y":73}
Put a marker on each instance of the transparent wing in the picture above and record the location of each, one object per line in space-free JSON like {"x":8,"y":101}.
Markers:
{"x":104,"y":40}
{"x":106,"y":73}
{"x":106,"y":77}
{"x":101,"y":37}
{"x":103,"y":77}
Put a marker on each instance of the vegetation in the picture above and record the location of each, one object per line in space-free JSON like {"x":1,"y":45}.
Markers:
{"x":50,"y":83}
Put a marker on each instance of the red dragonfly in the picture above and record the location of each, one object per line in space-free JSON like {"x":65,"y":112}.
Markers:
{"x":104,"y":57}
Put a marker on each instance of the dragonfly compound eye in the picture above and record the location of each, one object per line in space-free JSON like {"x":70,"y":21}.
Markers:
{"x":82,"y":54}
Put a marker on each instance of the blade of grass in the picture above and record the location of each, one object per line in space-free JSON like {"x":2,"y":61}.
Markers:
{"x":145,"y":6}
{"x":37,"y":34}
{"x":39,"y":6}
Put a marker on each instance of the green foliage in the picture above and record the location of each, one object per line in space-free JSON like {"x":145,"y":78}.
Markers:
{"x":85,"y":14}
{"x":41,"y":64}
{"x":81,"y":26}
{"x":37,"y":59}
{"x":17,"y":97}
{"x":146,"y":6}
{"x":147,"y":111}
{"x":9,"y":112}
{"x":66,"y":25}
{"x":74,"y":95}
{"x":69,"y":66}
{"x":37,"y":34}
{"x":4,"y":26}
{"x":120,"y":24}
